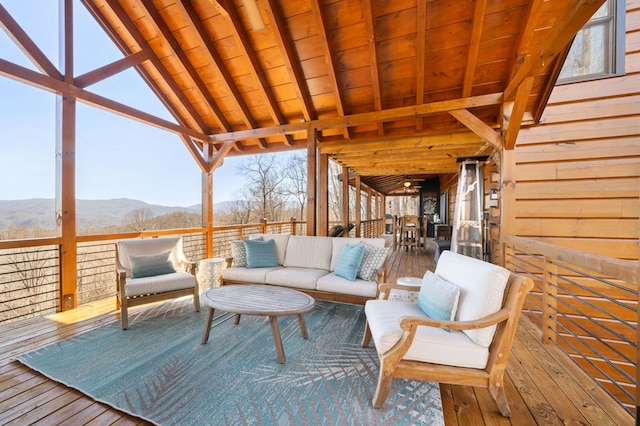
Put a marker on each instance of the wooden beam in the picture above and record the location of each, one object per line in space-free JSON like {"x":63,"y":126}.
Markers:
{"x":367,"y":117}
{"x":507,"y":198}
{"x":312,"y":180}
{"x":66,"y":168}
{"x":196,"y":152}
{"x":161,"y":26}
{"x":358,"y":146}
{"x":514,"y":112}
{"x":329,"y":59}
{"x":345,"y":196}
{"x":219,"y":156}
{"x":27,"y":45}
{"x":478,"y":127}
{"x":577,"y":13}
{"x":291,"y":63}
{"x":207,"y":201}
{"x":358,"y":207}
{"x":367,"y":8}
{"x":323,"y":195}
{"x":262,"y":84}
{"x":474,"y":47}
{"x":421,"y":39}
{"x":91,"y":77}
{"x":132,"y":29}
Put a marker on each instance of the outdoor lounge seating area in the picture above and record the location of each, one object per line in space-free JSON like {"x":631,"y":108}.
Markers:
{"x":540,"y":383}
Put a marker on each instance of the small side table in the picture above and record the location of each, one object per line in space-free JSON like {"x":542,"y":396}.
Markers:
{"x":403,"y":295}
{"x":209,"y":273}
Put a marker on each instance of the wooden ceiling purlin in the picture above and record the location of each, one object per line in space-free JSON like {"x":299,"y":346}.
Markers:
{"x":233,"y":18}
{"x":142,"y":44}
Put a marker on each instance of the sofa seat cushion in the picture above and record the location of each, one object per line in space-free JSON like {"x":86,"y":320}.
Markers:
{"x":159,"y":283}
{"x":248,"y":275}
{"x":481,"y":286}
{"x":304,"y":278}
{"x":336,"y":284}
{"x":430,"y":344}
{"x":308,"y":252}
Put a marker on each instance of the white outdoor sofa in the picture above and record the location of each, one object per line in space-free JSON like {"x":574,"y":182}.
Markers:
{"x":308,"y":264}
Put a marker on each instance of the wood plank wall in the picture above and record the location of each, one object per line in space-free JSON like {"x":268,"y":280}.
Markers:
{"x":577,"y":177}
{"x":577,"y":172}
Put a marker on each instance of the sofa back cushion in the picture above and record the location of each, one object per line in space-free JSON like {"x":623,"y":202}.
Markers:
{"x":308,"y":252}
{"x":337,"y":244}
{"x":280,"y":241}
{"x":151,"y":246}
{"x":482,"y":287}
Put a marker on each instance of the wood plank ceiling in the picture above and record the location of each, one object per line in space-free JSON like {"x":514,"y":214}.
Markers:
{"x":393,"y":88}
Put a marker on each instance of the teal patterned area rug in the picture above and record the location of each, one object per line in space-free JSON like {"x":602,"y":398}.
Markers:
{"x":159,"y":371}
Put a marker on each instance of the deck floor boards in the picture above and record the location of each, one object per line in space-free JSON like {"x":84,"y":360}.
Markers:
{"x":544,"y":387}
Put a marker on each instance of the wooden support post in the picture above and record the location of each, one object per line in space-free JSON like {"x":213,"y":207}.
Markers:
{"x":293,"y":226}
{"x":345,"y":197}
{"x":358,"y":208}
{"x":312,"y":148}
{"x":507,"y":198}
{"x":207,"y":202}
{"x":264,"y":225}
{"x":66,"y":169}
{"x":323,"y":196}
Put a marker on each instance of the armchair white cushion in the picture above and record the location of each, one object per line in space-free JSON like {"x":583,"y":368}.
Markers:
{"x":158,"y":280}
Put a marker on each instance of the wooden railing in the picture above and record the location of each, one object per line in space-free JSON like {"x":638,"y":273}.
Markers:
{"x":587,"y":305}
{"x":30,"y":268}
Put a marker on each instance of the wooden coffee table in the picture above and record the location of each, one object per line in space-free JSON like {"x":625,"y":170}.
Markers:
{"x":248,"y":299}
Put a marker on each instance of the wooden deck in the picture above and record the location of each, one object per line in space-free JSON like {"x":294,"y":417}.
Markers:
{"x":544,"y":387}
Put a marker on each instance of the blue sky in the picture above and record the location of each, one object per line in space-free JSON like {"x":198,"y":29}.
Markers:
{"x":115,"y":157}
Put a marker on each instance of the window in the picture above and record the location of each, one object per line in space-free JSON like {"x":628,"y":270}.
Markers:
{"x":598,"y":48}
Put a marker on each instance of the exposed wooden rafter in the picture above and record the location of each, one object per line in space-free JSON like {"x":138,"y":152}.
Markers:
{"x":291,"y":63}
{"x":421,"y":39}
{"x":474,"y":46}
{"x":330,"y":60}
{"x":373,"y":58}
{"x":227,"y":9}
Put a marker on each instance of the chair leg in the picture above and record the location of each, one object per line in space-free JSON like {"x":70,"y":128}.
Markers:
{"x":385,"y":378}
{"x":366,"y":338}
{"x":196,"y":298}
{"x":498,"y":394}
{"x":124,"y":314}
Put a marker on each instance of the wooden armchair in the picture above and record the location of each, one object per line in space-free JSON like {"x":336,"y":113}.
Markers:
{"x":152,"y":269}
{"x":413,"y":346}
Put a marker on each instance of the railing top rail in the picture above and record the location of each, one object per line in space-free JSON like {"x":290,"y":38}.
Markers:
{"x":625,"y":270}
{"x":29,"y":242}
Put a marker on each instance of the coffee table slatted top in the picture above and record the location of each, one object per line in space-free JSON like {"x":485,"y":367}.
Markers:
{"x":258,"y":300}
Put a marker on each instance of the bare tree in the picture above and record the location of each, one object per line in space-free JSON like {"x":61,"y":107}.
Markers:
{"x":265,"y":178}
{"x":137,"y":220}
{"x":295,"y":186}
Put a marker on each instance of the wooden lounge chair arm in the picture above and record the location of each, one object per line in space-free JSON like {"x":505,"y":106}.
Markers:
{"x":385,"y":288}
{"x":406,"y":323}
{"x":228,"y":261}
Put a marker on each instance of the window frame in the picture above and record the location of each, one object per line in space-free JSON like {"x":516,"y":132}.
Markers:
{"x":615,"y":47}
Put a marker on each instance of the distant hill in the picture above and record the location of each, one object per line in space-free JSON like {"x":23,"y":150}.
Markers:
{"x":90,"y":213}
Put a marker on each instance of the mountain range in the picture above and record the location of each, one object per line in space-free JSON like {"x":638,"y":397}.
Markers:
{"x":90,"y":213}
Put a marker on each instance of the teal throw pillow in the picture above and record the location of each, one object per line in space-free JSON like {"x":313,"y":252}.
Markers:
{"x":151,"y":264}
{"x":438,"y":298}
{"x":261,"y":254}
{"x":349,"y":261}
